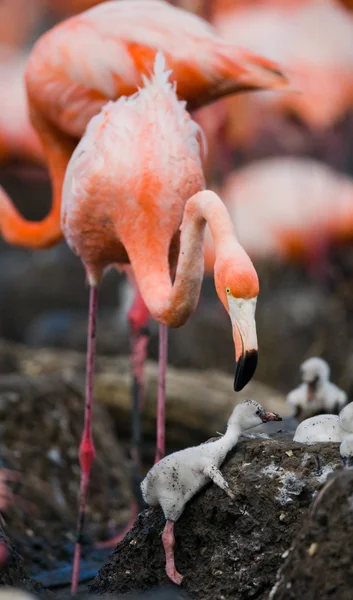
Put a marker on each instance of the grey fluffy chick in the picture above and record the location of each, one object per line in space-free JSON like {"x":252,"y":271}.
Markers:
{"x":178,"y":477}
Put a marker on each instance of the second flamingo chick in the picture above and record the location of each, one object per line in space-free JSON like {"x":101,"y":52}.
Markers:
{"x":174,"y":480}
{"x":316,"y":394}
{"x":326,"y":428}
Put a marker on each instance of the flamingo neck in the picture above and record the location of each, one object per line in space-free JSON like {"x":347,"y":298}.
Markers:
{"x":172,"y":303}
{"x":222,"y":446}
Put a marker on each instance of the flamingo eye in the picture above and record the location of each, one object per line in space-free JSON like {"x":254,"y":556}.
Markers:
{"x":227,"y":290}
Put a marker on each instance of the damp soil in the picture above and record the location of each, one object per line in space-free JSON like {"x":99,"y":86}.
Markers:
{"x":320,"y":562}
{"x":41,"y":427}
{"x":228,"y":549}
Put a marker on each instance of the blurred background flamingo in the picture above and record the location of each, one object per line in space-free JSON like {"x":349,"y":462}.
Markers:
{"x":288,"y":209}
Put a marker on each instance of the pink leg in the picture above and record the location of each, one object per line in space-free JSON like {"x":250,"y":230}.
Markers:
{"x":162,"y":367}
{"x":168,"y":545}
{"x":87,"y":450}
{"x":138,"y":318}
{"x":139,"y":336}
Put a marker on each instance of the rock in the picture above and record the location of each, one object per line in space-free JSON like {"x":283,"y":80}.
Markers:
{"x":228,"y":549}
{"x":319,"y":564}
{"x":41,"y":422}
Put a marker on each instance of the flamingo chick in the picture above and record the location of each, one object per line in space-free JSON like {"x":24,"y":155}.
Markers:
{"x":178,"y":477}
{"x":120,"y":207}
{"x":346,"y":452}
{"x":326,"y":428}
{"x":316,"y":394}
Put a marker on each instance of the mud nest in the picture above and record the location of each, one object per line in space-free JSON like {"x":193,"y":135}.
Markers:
{"x":228,"y":549}
{"x":320,"y":562}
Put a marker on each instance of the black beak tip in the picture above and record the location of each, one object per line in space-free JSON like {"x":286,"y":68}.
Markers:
{"x":245,"y":369}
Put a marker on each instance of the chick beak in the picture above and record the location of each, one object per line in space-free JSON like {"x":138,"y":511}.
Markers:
{"x":312,"y":385}
{"x":242,"y":315}
{"x":270,"y":416}
{"x":347,"y":462}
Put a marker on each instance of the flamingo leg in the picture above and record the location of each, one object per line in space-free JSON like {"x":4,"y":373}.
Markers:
{"x":138,"y":317}
{"x":162,"y":367}
{"x":168,"y":540}
{"x":87,"y":450}
{"x":139,"y":342}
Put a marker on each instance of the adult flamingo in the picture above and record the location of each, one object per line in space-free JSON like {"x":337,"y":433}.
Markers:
{"x":101,"y":54}
{"x":130,"y":206}
{"x":323,"y":72}
{"x":76,"y":67}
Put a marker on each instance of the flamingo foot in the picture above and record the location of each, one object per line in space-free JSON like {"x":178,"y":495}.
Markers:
{"x":173,"y":574}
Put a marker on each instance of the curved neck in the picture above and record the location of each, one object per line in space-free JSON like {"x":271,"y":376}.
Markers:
{"x":221,"y":447}
{"x":172,"y":303}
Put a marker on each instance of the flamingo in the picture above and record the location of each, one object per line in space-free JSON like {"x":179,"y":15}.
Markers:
{"x":101,"y":54}
{"x":293,"y":30}
{"x":287,"y":208}
{"x":316,"y":394}
{"x":178,"y":477}
{"x":130,"y":206}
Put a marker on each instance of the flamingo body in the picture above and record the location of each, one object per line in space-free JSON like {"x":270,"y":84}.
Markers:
{"x":102,"y":54}
{"x":129,"y":206}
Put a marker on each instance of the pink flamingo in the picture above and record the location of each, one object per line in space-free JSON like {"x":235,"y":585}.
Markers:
{"x":101,"y":54}
{"x":294,"y":30}
{"x":129,"y":206}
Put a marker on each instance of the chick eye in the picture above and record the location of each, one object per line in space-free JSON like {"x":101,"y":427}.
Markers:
{"x":227,"y":290}
{"x":257,"y":412}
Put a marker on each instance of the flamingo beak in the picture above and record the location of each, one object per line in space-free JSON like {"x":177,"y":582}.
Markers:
{"x":270,"y":416}
{"x":242,"y":316}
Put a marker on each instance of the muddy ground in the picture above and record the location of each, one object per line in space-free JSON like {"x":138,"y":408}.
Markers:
{"x":41,"y":426}
{"x":228,"y":549}
{"x":319,"y":564}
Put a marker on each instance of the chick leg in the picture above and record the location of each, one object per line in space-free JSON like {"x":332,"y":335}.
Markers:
{"x":168,"y":544}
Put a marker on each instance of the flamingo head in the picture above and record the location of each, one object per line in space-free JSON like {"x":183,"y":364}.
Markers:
{"x":237,"y":286}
